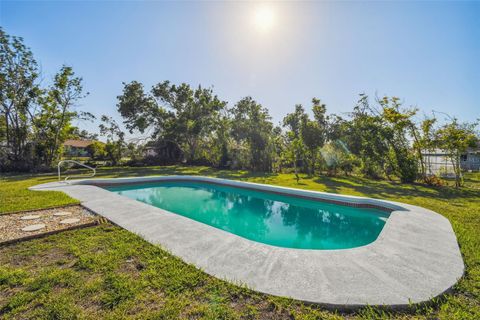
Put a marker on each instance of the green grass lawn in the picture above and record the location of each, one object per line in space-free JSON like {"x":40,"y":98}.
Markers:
{"x":106,"y":272}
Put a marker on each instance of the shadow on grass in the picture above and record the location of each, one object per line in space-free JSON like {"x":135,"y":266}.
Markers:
{"x":181,"y":170}
{"x":338,"y":184}
{"x":392,"y":189}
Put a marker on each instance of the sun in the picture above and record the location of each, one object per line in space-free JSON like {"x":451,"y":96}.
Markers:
{"x":264,"y":18}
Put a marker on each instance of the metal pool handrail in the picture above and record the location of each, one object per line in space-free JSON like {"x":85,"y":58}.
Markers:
{"x":76,"y":162}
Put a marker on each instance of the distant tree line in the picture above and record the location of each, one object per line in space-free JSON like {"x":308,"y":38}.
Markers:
{"x":192,"y":125}
{"x":380,"y":139}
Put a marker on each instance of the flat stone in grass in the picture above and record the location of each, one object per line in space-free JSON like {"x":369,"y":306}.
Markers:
{"x":30,"y":217}
{"x":69,"y":221}
{"x":12,"y":224}
{"x":62,"y":213}
{"x":33,"y":227}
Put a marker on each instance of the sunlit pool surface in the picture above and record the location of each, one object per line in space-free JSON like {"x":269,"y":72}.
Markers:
{"x":278,"y":220}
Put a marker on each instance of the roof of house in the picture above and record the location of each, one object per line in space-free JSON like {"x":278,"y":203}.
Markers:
{"x":78,"y":143}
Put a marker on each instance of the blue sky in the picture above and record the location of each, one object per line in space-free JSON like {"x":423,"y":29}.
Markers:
{"x":427,"y":53}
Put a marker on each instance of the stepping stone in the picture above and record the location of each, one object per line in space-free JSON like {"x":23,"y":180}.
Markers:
{"x":34,"y":227}
{"x":30,"y":217}
{"x":69,"y":221}
{"x":62,"y":213}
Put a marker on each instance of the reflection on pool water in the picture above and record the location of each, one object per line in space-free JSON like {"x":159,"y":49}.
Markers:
{"x":278,"y":220}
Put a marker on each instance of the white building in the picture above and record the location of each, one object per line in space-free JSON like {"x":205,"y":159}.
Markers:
{"x":438,"y":163}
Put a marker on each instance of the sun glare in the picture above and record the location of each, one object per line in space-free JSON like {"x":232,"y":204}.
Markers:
{"x":264,"y":18}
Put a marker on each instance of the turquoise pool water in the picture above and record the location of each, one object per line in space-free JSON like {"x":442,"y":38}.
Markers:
{"x":278,"y":220}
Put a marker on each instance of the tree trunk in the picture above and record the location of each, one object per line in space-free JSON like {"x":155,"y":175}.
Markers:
{"x":456,"y":169}
{"x":314,"y":159}
{"x":295,"y":168}
{"x":7,"y":128}
{"x":423,"y":169}
{"x":54,"y":148}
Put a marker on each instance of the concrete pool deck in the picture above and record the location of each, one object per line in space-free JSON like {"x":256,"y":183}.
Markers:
{"x":415,"y":258}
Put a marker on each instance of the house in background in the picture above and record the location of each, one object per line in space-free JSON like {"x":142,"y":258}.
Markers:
{"x":470,"y":161}
{"x":438,"y":163}
{"x":164,"y":152}
{"x":150,"y":151}
{"x":76,"y":148}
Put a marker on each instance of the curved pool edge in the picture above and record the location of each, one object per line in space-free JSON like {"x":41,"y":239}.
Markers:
{"x":415,"y":258}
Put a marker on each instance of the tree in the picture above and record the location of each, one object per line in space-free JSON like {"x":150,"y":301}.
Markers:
{"x":19,"y":91}
{"x":134,"y":151}
{"x":3,"y":141}
{"x":138,"y":109}
{"x":295,"y":149}
{"x":35,"y":120}
{"x":347,"y":163}
{"x":366,"y":138}
{"x":423,"y":140}
{"x":96,"y":150}
{"x":399,"y":125}
{"x":380,"y":137}
{"x":76,"y":133}
{"x":454,"y":139}
{"x":115,"y":145}
{"x":3,"y":131}
{"x":278,"y":147}
{"x":178,"y":114}
{"x":305,"y":137}
{"x":314,"y":132}
{"x":218,"y":145}
{"x":333,"y":157}
{"x":53,"y":123}
{"x":252,"y":127}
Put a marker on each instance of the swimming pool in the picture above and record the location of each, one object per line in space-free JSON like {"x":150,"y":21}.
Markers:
{"x":274,"y":219}
{"x":414,"y":258}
